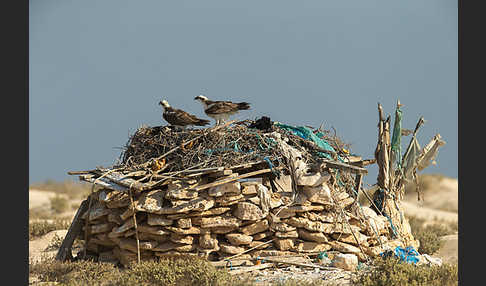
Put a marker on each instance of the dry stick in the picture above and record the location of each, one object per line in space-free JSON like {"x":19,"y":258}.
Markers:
{"x":192,"y":140}
{"x":135,"y":223}
{"x":243,"y":252}
{"x":297,"y":263}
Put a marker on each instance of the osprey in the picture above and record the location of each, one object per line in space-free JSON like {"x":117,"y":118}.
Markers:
{"x":221,"y":110}
{"x":179,"y":117}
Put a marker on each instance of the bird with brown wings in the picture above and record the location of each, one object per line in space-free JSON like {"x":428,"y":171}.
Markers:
{"x":221,"y":110}
{"x":180,"y":118}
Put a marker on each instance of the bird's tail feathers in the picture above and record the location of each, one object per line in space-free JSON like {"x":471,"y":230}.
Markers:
{"x":243,"y":106}
{"x":202,"y":122}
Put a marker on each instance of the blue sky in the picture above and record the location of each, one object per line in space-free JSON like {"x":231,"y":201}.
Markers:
{"x":98,"y":69}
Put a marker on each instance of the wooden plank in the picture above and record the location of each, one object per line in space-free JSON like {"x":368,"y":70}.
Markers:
{"x":250,"y":268}
{"x":64,"y":251}
{"x":220,"y":173}
{"x":298,"y":264}
{"x":236,"y":262}
{"x":119,"y":179}
{"x":103,"y":182}
{"x":343,"y":166}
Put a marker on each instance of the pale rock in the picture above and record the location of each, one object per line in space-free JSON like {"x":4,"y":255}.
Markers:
{"x":283,"y":212}
{"x":230,"y":249}
{"x":256,"y":227}
{"x":154,"y":219}
{"x":228,"y":200}
{"x":275,"y":201}
{"x":163,"y":247}
{"x":223,"y":229}
{"x":248,"y":189}
{"x":181,"y":194}
{"x":180,"y":238}
{"x":348,"y":262}
{"x":185,"y":231}
{"x":289,"y":234}
{"x":232,"y":188}
{"x":262,"y":235}
{"x":158,"y":230}
{"x":349,"y":238}
{"x":259,"y":245}
{"x":312,"y":236}
{"x":238,"y":238}
{"x":313,"y":179}
{"x":152,"y":205}
{"x":184,"y":223}
{"x":285,"y":243}
{"x":281,"y":227}
{"x":344,"y":247}
{"x":154,"y":237}
{"x":131,"y":244}
{"x":310,"y":246}
{"x":151,"y":202}
{"x":254,"y":200}
{"x":320,"y":194}
{"x":219,"y":221}
{"x":248,"y":211}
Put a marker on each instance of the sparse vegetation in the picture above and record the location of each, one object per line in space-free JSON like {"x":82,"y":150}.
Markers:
{"x":73,"y":189}
{"x":429,"y":235}
{"x":177,"y":271}
{"x":390,"y":272}
{"x":59,"y":204}
{"x":39,"y":228}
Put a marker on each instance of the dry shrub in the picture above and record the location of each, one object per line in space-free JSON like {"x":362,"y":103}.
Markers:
{"x":177,"y":271}
{"x":39,"y":228}
{"x":429,"y":235}
{"x":59,"y":204}
{"x":390,"y":272}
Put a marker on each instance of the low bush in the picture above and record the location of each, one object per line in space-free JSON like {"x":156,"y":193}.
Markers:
{"x":391,"y":272}
{"x":39,"y":228}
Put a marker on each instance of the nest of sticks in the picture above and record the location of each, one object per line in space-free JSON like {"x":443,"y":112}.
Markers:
{"x":228,"y":146}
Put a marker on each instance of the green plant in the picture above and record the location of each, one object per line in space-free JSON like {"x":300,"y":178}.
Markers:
{"x":391,"y":272}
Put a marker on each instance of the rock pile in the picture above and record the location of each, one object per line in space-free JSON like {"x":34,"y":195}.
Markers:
{"x":237,"y":191}
{"x":232,"y":218}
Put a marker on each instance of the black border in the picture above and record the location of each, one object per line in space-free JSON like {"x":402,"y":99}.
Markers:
{"x":14,"y":22}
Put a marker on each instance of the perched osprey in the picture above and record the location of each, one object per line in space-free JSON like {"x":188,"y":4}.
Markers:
{"x":179,"y":117}
{"x":221,"y":110}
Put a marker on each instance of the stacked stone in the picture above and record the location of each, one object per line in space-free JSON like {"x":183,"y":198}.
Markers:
{"x":233,"y":218}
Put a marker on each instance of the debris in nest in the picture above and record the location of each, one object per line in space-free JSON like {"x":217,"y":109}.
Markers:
{"x":234,"y":192}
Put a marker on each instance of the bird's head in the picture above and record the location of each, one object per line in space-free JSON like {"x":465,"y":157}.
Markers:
{"x":201,"y":98}
{"x":164,"y":103}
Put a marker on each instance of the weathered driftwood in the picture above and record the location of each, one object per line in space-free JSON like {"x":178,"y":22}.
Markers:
{"x":284,"y":261}
{"x":343,"y":166}
{"x":250,"y":268}
{"x":64,"y":251}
